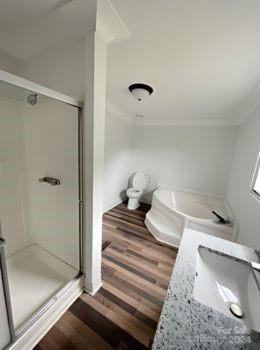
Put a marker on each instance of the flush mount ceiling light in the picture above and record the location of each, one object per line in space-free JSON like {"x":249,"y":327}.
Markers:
{"x":140,"y":91}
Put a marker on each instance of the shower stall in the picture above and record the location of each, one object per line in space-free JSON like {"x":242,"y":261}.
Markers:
{"x":40,"y":202}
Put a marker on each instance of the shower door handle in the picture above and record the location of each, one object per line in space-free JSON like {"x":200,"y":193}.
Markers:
{"x":50,"y":180}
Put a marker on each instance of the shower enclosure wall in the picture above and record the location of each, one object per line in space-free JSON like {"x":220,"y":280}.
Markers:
{"x":40,"y":202}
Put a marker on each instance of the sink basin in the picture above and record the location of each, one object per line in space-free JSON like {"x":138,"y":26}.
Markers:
{"x":227,"y":284}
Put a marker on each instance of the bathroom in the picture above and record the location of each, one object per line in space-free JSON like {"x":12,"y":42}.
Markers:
{"x":83,"y":267}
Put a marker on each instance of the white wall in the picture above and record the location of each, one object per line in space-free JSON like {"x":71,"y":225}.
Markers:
{"x":245,"y":206}
{"x":192,"y":157}
{"x":11,"y":177}
{"x":118,"y":159}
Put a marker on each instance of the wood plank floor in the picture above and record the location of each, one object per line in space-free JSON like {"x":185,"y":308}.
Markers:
{"x":124,"y":313}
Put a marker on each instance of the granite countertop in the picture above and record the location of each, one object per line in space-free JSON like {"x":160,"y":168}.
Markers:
{"x":187,"y":324}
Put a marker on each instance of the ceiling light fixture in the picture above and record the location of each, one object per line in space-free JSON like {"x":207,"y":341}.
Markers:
{"x":140,"y":91}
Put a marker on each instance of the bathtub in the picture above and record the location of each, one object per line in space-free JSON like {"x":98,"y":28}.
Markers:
{"x":175,"y":209}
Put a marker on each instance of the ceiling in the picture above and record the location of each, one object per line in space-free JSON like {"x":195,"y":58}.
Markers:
{"x":201,"y":57}
{"x":16,"y":15}
{"x":28,"y":27}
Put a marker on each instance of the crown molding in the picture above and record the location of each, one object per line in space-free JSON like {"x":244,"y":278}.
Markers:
{"x":120,"y":113}
{"x":213,"y":122}
{"x":133,"y":120}
{"x":109,"y":23}
{"x":249,"y":106}
{"x":249,"y":116}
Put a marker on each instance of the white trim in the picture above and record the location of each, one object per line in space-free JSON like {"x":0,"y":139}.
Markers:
{"x":119,"y":113}
{"x":45,"y":323}
{"x":36,"y":88}
{"x":250,"y":115}
{"x":249,"y":106}
{"x":130,"y":118}
{"x":243,"y":118}
{"x":96,"y":284}
{"x":95,"y":288}
{"x":213,"y":122}
{"x":113,"y":203}
{"x":110,"y":23}
{"x":255,"y":194}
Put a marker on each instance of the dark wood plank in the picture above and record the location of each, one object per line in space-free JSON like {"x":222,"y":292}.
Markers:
{"x":105,"y":244}
{"x":132,"y":310}
{"x":107,"y":329}
{"x":132,"y":292}
{"x":123,"y":314}
{"x":58,"y":338}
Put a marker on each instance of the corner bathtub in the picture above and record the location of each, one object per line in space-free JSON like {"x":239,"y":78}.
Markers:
{"x":173,"y":210}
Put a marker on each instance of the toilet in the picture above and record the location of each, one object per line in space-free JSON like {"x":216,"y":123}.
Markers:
{"x":138,"y":183}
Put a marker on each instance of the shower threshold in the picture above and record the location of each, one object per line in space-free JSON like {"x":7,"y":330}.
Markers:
{"x":34,"y":277}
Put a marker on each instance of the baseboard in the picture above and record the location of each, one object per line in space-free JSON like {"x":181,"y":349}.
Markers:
{"x":113,"y":203}
{"x":94,"y":290}
{"x":91,"y":286}
{"x":117,"y":201}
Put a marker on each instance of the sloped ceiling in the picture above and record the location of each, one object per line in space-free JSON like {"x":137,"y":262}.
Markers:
{"x":201,"y":57}
{"x":28,"y":27}
{"x":16,"y":15}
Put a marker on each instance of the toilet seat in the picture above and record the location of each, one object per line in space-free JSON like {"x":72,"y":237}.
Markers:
{"x":134,"y":192}
{"x":138,"y":181}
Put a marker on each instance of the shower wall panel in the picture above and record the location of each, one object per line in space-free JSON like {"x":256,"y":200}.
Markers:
{"x":11,"y":176}
{"x":50,"y":130}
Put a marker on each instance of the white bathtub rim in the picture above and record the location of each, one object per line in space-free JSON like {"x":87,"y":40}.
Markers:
{"x":207,"y":222}
{"x":229,"y":232}
{"x":189,"y":190}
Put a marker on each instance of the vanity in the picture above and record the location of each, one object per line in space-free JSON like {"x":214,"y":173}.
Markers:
{"x":213,"y":299}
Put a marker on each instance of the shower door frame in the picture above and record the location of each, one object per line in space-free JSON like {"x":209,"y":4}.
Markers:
{"x":35,"y":88}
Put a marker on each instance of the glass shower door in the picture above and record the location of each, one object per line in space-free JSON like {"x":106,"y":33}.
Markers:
{"x":39,"y":201}
{"x":6,"y":323}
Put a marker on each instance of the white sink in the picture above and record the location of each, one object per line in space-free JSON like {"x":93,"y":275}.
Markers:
{"x":221,"y":281}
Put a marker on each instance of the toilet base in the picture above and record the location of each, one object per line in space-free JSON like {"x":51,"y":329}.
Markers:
{"x":133,"y":203}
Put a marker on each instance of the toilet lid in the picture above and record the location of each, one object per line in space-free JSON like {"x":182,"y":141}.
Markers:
{"x":139,"y":181}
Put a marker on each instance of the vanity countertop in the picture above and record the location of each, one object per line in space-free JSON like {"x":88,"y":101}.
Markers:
{"x":187,"y":324}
